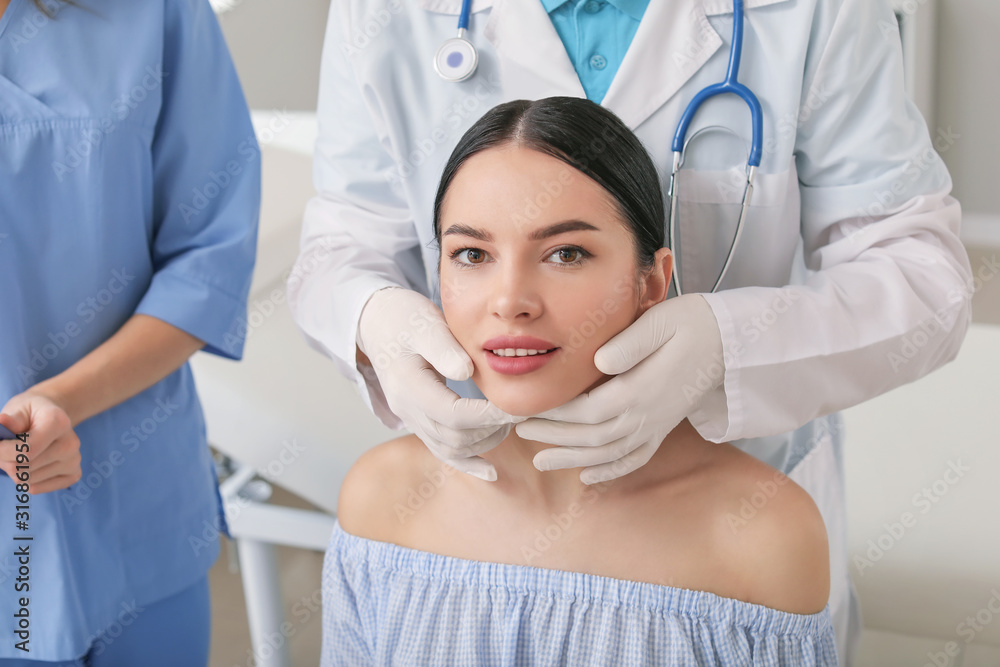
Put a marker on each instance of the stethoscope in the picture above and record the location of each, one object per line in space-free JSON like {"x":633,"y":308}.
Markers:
{"x":457,"y":58}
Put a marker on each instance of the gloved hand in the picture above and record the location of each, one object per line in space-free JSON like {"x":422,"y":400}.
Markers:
{"x":664,"y":363}
{"x":405,"y":336}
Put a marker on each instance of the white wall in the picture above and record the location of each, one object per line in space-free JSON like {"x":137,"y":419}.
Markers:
{"x":276,"y":46}
{"x":968,"y":101}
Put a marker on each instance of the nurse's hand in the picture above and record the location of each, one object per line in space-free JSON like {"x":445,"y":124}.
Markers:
{"x":664,"y":363}
{"x":53,"y":446}
{"x":404,"y":336}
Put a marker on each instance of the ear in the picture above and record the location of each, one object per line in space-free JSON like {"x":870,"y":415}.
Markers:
{"x":657,"y":283}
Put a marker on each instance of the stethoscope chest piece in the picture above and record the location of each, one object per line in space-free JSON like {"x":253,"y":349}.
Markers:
{"x":456,"y":59}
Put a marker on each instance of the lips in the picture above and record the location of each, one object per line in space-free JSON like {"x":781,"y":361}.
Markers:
{"x":518,"y":365}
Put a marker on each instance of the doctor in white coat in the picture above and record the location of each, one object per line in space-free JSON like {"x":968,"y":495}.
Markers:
{"x":849,"y":278}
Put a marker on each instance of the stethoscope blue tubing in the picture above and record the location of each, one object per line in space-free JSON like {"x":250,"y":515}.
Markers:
{"x":463,"y":18}
{"x":729,"y":85}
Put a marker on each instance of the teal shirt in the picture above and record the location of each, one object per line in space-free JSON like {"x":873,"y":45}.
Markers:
{"x":596,"y":34}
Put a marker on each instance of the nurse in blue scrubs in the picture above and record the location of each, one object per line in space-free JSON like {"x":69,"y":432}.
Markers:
{"x":129,"y":198}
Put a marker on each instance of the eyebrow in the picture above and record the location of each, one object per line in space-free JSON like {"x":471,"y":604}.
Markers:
{"x":537,"y":235}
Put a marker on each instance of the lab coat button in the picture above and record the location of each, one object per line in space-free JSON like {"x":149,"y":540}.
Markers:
{"x":598,"y":61}
{"x":593,"y":7}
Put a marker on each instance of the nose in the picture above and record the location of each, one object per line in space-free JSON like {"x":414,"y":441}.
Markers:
{"x":514,"y":294}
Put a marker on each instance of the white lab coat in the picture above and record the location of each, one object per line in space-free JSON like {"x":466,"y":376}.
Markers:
{"x":849,"y":279}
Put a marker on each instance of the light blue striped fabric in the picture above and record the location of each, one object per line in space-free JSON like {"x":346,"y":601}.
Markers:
{"x":384,"y":604}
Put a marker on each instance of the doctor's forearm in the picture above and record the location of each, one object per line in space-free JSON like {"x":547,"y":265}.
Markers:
{"x":849,"y":345}
{"x":144,"y":351}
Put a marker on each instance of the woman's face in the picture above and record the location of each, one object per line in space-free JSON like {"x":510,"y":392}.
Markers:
{"x":531,"y":247}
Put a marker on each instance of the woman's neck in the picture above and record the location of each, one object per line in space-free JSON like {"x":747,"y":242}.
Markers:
{"x":553,"y":490}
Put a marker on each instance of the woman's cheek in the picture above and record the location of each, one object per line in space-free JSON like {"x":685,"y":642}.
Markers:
{"x":452,"y":289}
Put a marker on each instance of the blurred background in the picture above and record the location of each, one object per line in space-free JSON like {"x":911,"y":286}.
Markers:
{"x":930,"y":590}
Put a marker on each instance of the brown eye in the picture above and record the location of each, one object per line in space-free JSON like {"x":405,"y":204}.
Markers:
{"x":476,"y":256}
{"x":568,"y":254}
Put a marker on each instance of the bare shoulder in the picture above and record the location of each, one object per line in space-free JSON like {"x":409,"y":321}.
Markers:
{"x":375,"y":485}
{"x":772,"y":536}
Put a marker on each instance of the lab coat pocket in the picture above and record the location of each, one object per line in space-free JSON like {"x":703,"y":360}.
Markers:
{"x":17,"y":105}
{"x":709,"y":204}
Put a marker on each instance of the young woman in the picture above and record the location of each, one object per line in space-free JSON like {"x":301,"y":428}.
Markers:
{"x":129,"y":196}
{"x":550,"y":224}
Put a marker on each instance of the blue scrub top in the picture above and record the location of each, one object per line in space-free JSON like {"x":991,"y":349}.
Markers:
{"x":129,"y":183}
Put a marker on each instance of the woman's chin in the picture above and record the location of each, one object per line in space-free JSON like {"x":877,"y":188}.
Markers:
{"x":518,"y":404}
{"x":521,"y":398}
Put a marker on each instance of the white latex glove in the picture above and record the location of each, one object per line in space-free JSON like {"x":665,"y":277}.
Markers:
{"x":664,"y":363}
{"x":405,"y":336}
